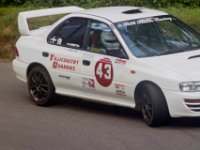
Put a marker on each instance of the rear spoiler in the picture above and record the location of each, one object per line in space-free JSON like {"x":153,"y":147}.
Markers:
{"x":23,"y":16}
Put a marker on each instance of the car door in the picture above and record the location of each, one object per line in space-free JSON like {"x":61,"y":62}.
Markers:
{"x":105,"y":64}
{"x":65,"y":45}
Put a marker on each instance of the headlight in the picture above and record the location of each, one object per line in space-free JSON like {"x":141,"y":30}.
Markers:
{"x":190,"y":86}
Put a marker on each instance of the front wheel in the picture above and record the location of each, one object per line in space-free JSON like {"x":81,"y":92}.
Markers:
{"x":40,"y":86}
{"x":153,"y":105}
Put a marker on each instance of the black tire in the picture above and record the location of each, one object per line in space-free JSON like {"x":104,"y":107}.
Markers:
{"x":153,"y":105}
{"x":40,"y":86}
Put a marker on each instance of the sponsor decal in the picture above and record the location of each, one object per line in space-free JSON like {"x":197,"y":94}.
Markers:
{"x":53,"y":40}
{"x":120,"y":89}
{"x":64,"y":77}
{"x":63,"y":60}
{"x":104,"y":72}
{"x":146,"y":20}
{"x":73,"y":45}
{"x":63,"y":63}
{"x":88,"y":83}
{"x":57,"y":65}
{"x":120,"y":61}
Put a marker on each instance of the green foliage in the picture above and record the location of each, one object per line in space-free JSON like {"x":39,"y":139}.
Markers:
{"x":11,"y":2}
{"x":85,"y":3}
{"x":98,"y":3}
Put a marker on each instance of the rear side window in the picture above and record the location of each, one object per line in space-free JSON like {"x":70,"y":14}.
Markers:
{"x":69,"y":34}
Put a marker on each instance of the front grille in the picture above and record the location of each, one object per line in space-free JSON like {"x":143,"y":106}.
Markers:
{"x":193,"y":104}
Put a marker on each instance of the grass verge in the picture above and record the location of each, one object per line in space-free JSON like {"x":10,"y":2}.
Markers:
{"x":9,"y":31}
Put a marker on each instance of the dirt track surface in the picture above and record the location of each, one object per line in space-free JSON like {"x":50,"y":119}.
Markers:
{"x":74,"y":124}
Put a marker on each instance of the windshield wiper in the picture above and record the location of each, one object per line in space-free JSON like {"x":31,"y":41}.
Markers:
{"x":195,"y":56}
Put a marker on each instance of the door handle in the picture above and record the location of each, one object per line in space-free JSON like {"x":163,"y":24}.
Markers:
{"x":86,"y":62}
{"x":45,"y":54}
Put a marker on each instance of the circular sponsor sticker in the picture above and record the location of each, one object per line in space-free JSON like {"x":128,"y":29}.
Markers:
{"x":104,"y":72}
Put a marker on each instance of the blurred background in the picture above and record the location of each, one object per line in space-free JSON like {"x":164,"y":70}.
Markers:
{"x":186,"y":10}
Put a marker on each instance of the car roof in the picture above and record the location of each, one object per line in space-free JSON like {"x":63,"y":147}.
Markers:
{"x":122,"y":13}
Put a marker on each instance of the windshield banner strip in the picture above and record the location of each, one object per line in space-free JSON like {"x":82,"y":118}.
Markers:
{"x":146,"y":20}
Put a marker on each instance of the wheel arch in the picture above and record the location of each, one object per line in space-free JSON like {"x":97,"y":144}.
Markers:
{"x":137,"y":90}
{"x":35,"y":64}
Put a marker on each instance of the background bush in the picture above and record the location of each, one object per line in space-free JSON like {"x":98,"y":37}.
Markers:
{"x":98,"y":3}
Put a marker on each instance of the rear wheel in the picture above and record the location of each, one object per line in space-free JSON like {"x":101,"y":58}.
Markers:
{"x":40,"y":86}
{"x":153,"y":105}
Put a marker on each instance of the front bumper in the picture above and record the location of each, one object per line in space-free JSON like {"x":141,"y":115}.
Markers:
{"x":183,"y":104}
{"x":20,"y":68}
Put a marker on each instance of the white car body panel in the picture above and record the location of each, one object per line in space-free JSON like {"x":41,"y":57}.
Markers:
{"x":117,"y":16}
{"x":172,"y":69}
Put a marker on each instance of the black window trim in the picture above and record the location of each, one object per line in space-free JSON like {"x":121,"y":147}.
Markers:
{"x":85,"y":39}
{"x":60,"y":25}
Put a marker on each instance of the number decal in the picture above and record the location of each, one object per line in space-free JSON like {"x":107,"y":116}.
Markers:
{"x":104,"y":72}
{"x":99,"y":70}
{"x":108,"y":71}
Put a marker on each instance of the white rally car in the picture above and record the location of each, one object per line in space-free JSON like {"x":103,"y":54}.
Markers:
{"x":128,"y":56}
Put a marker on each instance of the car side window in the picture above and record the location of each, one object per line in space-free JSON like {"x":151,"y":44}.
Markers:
{"x":102,"y":40}
{"x":70,"y":33}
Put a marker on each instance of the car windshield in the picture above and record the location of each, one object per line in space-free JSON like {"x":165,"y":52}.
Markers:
{"x":158,"y":36}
